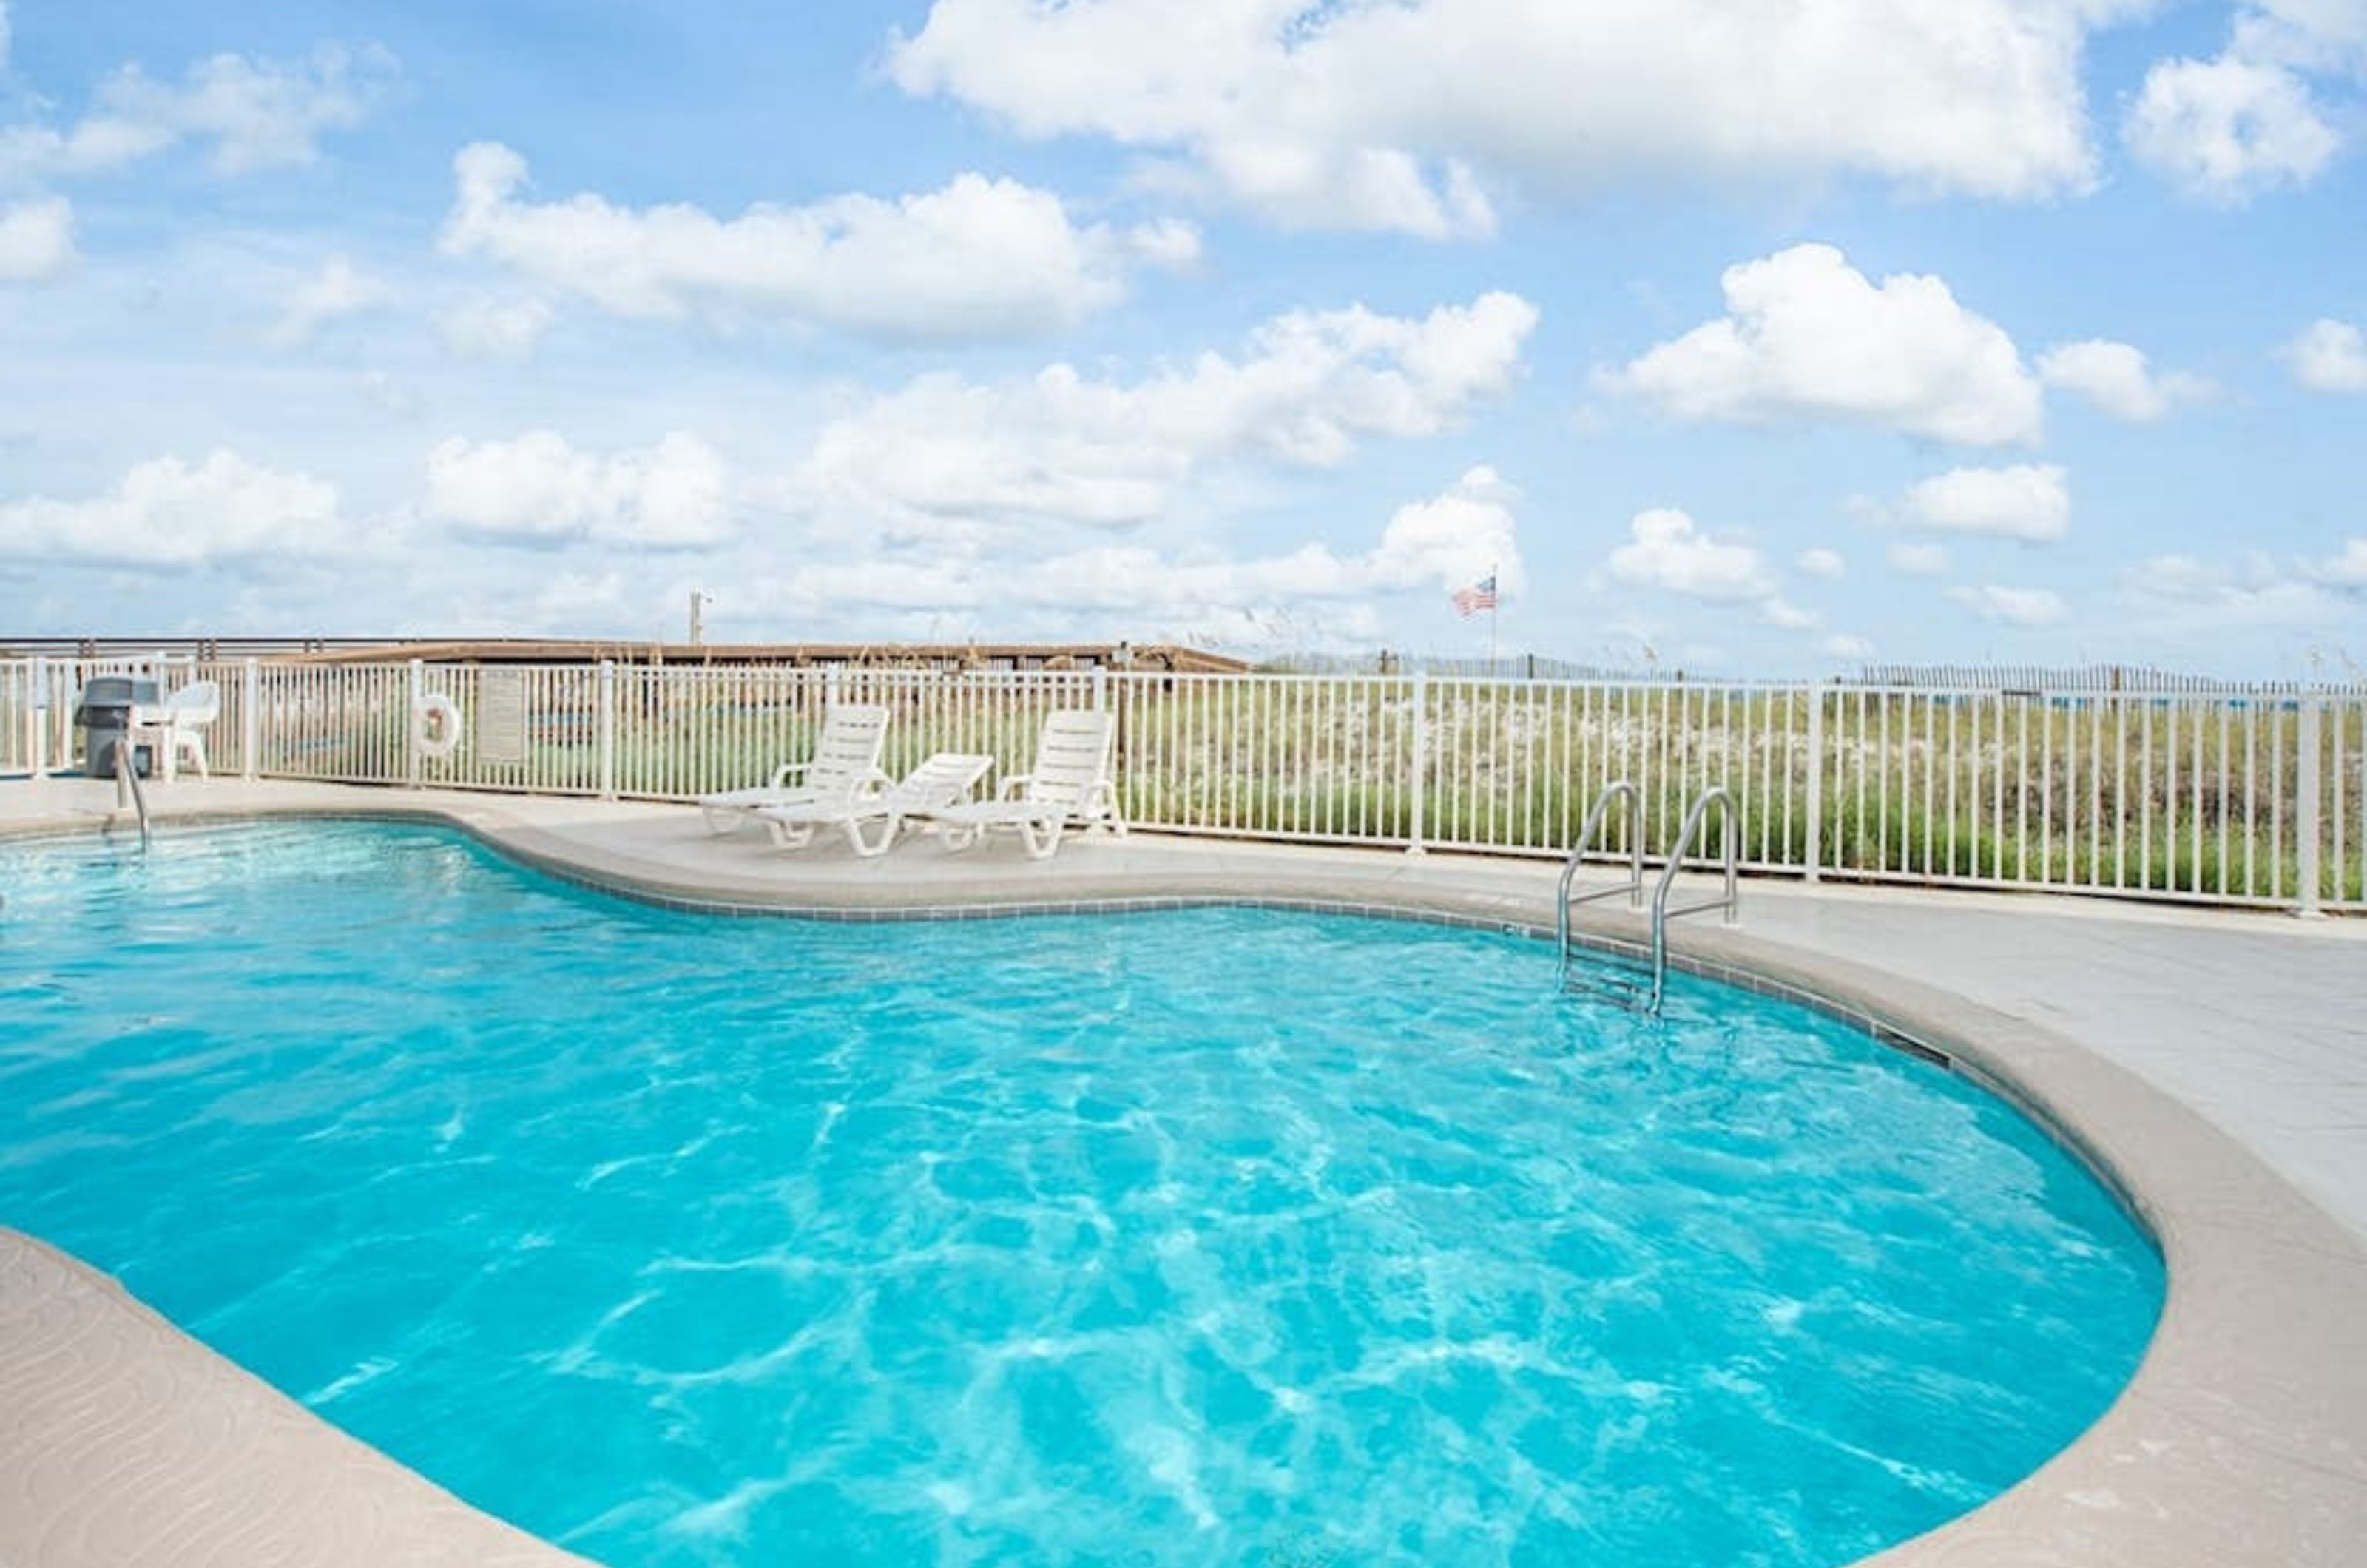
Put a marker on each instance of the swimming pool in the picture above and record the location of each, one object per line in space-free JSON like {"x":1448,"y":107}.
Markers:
{"x":1209,"y":1236}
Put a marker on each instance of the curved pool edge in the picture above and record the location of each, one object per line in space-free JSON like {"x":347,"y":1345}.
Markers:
{"x":2242,"y":1438}
{"x":128,"y":1441}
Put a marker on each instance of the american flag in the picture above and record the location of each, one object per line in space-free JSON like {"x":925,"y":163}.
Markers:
{"x":1480,"y":595}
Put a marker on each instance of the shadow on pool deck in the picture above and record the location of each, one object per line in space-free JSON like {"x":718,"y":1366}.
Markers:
{"x":2213,"y":1063}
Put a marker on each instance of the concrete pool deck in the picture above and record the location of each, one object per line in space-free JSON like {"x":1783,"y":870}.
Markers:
{"x":2213,"y":1063}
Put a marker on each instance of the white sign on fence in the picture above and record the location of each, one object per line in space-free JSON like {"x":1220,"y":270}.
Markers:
{"x":500,"y":716}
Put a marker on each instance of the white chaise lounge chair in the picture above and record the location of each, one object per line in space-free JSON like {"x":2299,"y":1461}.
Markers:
{"x":935,"y":786}
{"x":845,"y":758}
{"x":1069,"y":785}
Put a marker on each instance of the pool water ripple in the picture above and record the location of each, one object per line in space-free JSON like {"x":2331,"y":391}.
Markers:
{"x":1201,"y":1237}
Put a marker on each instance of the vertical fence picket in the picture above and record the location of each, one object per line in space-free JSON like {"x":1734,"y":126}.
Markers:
{"x":2308,"y":804}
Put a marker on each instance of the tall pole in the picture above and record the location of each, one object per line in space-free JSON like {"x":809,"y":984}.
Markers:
{"x":1495,"y":594}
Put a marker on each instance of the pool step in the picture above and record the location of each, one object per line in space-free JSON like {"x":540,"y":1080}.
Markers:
{"x":1612,"y":978}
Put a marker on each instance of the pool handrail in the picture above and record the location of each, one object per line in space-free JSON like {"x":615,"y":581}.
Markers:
{"x":1633,"y":886}
{"x":127,"y":778}
{"x":1726,"y":900}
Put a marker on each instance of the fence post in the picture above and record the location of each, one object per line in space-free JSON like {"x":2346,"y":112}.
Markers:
{"x":38,"y":698}
{"x":410,"y":752}
{"x":250,"y":717}
{"x":1815,"y":851}
{"x":1421,"y":759}
{"x":2307,"y":825}
{"x":607,"y":729}
{"x":1101,"y":689}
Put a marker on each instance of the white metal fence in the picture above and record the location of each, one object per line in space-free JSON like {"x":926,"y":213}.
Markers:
{"x":2250,"y":798}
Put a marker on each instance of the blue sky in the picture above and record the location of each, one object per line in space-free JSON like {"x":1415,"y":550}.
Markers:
{"x":1754,"y":340}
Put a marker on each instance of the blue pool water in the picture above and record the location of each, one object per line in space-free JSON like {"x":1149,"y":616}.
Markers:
{"x":1198,"y":1238}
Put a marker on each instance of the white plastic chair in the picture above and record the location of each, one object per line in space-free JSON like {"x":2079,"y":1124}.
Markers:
{"x":845,"y":758}
{"x":935,"y":786}
{"x":1069,"y":785}
{"x":176,"y":727}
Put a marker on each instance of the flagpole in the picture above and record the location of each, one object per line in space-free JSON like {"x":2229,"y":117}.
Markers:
{"x":1495,"y":596}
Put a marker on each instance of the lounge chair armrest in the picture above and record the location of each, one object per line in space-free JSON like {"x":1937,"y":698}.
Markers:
{"x":1014,"y":785}
{"x":787,"y":771}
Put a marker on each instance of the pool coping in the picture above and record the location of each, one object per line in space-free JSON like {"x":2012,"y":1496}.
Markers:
{"x":2242,"y":1438}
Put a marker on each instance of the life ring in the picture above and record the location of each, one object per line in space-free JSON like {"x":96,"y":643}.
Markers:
{"x":434,"y":725}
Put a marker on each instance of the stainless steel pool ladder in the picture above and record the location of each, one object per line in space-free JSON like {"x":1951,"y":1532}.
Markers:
{"x":1636,"y":993}
{"x":127,"y":778}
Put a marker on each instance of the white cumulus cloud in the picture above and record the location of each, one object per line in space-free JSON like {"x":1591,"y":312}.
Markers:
{"x":2029,"y":501}
{"x":538,"y":488}
{"x":169,"y":513}
{"x":1403,"y":116}
{"x":2273,"y":108}
{"x":37,"y":240}
{"x":254,"y":114}
{"x":2116,"y":378}
{"x":1666,"y":549}
{"x":1066,"y":448}
{"x":338,"y":290}
{"x":2328,"y":357}
{"x":1455,"y":538}
{"x":2347,"y":569}
{"x":1807,"y":337}
{"x":2014,"y":606}
{"x":978,"y":260}
{"x":2178,"y":594}
{"x":2319,"y":36}
{"x":2228,"y":130}
{"x":1821,"y":562}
